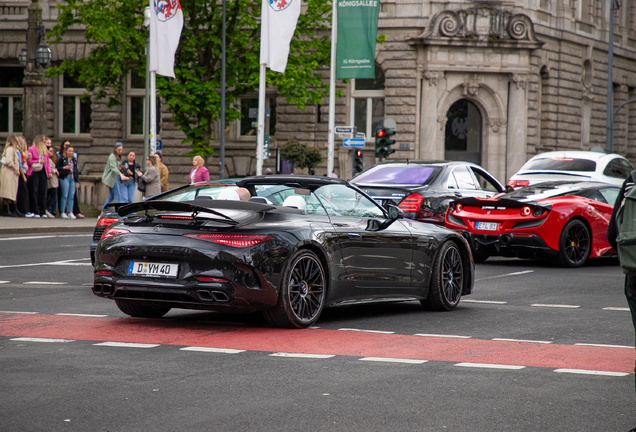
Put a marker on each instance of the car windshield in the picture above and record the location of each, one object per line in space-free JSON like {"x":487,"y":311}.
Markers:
{"x":398,"y":174}
{"x":561,"y":164}
{"x":195,"y":191}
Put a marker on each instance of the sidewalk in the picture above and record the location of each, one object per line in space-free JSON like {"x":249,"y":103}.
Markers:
{"x":12,"y":226}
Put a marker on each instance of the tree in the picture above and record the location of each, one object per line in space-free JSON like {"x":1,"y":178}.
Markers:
{"x":301,"y":155}
{"x":113,"y":28}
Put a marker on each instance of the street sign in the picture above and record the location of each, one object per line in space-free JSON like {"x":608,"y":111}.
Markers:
{"x":354,"y":142}
{"x":361,"y":135}
{"x":344,"y":129}
{"x":159,"y":145}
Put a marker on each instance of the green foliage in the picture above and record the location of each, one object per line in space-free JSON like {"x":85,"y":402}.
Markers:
{"x":380,"y":39}
{"x":301,"y":155}
{"x":114,"y":29}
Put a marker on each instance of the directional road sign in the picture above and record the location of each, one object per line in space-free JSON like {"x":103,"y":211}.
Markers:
{"x":354,"y":142}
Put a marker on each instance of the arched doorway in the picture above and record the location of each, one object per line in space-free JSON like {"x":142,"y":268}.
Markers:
{"x":463,"y":132}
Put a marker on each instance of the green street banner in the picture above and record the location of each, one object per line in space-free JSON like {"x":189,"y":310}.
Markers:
{"x":357,"y":33}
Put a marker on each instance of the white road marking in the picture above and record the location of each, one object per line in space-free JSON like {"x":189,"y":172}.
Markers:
{"x":366,"y":331}
{"x":604,"y":345}
{"x":483,"y":301}
{"x":441,"y":336}
{"x":213,"y":350}
{"x":64,"y":263}
{"x":489,"y":366}
{"x":392,"y":360}
{"x":590,"y":372}
{"x":505,"y":275}
{"x":127,"y":345}
{"x":29,"y":339}
{"x":19,"y":312}
{"x":82,"y":315}
{"x":555,"y":306}
{"x":4,"y":282}
{"x":43,"y":283}
{"x":300,"y":355}
{"x":521,"y":340}
{"x":616,"y":309}
{"x":44,"y":236}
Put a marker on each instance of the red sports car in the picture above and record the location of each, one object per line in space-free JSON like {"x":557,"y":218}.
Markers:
{"x":566,"y":220}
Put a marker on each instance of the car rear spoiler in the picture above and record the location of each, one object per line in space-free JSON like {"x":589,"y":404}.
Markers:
{"x":497,"y":204}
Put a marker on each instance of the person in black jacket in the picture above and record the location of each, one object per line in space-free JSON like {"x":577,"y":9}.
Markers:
{"x":129,"y":168}
{"x":611,"y":235}
{"x":69,"y":181}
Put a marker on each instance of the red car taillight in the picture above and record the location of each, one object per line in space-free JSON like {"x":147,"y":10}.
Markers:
{"x":518,"y":183}
{"x":234,"y":240}
{"x":112,"y":232}
{"x":411,"y":203}
{"x":107,"y":221}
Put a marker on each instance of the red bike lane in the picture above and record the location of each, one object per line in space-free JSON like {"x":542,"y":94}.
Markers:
{"x":317,"y":341}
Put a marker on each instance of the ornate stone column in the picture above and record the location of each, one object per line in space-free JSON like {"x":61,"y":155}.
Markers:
{"x":34,"y":80}
{"x":429,"y":126}
{"x":517,"y":123}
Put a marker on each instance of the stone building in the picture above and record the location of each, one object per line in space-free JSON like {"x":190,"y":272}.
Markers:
{"x":493,"y":82}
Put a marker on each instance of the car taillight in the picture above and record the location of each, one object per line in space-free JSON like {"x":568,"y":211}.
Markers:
{"x":526,"y":211}
{"x":112,"y":232}
{"x":537,"y":211}
{"x":411,"y":203}
{"x":175,"y":217}
{"x":518,"y":183}
{"x":459,"y":208}
{"x":106,"y":221}
{"x":234,"y":240}
{"x":210,"y":279}
{"x":104,"y":272}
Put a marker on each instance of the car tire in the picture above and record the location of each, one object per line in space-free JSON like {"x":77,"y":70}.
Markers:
{"x":447,"y":279}
{"x":139,"y":311}
{"x":575,"y":244}
{"x":301,"y":297}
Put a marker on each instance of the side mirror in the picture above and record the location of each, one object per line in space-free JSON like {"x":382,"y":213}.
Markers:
{"x":395,"y":212}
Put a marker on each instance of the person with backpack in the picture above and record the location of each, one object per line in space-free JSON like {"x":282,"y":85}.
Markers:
{"x":621,"y":235}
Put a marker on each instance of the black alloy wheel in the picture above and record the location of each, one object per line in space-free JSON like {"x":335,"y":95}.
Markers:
{"x":575,"y":244}
{"x":302,"y":293}
{"x":447,"y":279}
{"x":139,"y":311}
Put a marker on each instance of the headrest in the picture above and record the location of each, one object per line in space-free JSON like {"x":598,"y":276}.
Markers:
{"x":229,"y":195}
{"x":295,"y":201}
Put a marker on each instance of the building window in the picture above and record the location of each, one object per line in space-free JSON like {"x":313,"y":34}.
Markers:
{"x":367,"y":103}
{"x":586,"y":11}
{"x":136,"y":102}
{"x":249,"y":116}
{"x":75,"y":109}
{"x":11,"y":93}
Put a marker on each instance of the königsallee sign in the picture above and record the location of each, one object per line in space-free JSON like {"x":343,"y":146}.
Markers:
{"x":357,"y":33}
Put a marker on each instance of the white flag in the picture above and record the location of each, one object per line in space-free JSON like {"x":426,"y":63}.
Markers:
{"x":278,"y":23}
{"x":166,"y":23}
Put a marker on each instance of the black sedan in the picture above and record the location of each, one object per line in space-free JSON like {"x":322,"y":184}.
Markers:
{"x":328,"y":244}
{"x":423,"y":190}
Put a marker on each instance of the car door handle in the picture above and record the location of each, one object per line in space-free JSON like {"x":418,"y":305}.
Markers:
{"x":354,"y":236}
{"x":458,"y":195}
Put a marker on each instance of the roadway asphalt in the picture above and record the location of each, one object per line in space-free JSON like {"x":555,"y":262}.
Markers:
{"x":12,"y":226}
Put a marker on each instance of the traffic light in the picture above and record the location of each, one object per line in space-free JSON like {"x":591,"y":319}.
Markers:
{"x":383,"y":142}
{"x":357,"y":161}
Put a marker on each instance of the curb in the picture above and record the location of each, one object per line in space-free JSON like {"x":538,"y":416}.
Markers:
{"x":46,"y":230}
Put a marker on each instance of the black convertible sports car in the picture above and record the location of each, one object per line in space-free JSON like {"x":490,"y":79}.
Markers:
{"x":327,"y":244}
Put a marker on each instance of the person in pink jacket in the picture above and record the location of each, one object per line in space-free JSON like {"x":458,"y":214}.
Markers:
{"x":38,"y":173}
{"x":199,"y":172}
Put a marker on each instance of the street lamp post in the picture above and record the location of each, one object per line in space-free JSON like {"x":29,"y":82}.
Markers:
{"x":34,"y":58}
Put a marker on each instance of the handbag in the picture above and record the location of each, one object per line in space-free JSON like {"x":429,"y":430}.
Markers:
{"x":141,"y":184}
{"x":37,"y":167}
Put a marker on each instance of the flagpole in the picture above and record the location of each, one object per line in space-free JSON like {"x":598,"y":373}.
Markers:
{"x":332,"y":89}
{"x":153,"y":112}
{"x":260,"y":133}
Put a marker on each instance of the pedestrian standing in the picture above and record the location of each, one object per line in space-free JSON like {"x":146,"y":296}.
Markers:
{"x":9,"y":176}
{"x":53,"y":183}
{"x":199,"y":172}
{"x":611,"y":235}
{"x":163,"y":173}
{"x":129,"y":168}
{"x":69,"y":181}
{"x":23,"y":190}
{"x":110,"y":174}
{"x":38,"y":173}
{"x":151,"y":177}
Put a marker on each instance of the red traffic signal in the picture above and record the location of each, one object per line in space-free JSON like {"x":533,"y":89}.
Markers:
{"x":358,"y":153}
{"x":380,"y":133}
